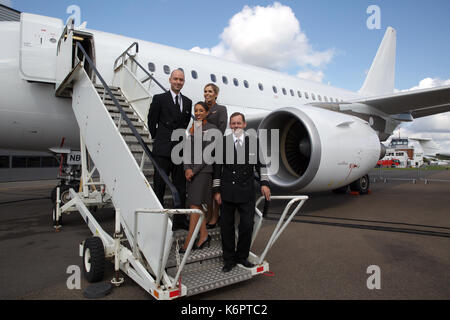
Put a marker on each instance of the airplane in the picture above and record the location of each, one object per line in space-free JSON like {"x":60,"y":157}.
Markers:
{"x":329,"y":137}
{"x":433,"y":152}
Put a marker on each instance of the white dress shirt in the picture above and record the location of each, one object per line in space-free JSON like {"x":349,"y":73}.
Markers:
{"x":180,"y":101}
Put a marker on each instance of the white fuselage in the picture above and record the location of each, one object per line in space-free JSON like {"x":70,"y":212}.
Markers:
{"x":34,"y":119}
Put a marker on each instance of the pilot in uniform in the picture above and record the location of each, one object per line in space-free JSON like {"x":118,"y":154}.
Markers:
{"x":234,"y":189}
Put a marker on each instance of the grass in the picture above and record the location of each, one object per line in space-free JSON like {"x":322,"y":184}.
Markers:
{"x":428,"y":168}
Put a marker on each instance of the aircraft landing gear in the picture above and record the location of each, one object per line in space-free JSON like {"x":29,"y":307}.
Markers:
{"x":361,"y":185}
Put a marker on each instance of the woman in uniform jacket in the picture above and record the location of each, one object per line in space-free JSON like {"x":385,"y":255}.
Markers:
{"x":198,"y":176}
{"x":217,"y":116}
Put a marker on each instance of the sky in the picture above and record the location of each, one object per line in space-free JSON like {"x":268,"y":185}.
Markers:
{"x":329,"y":41}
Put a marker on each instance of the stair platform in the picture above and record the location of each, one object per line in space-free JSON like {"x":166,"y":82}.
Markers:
{"x":207,"y":275}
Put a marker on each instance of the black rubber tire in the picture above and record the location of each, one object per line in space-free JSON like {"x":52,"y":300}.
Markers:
{"x":361,"y":185}
{"x":63,"y":193}
{"x":93,"y":259}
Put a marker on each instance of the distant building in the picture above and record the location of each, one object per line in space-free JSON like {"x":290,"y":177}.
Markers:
{"x":400,"y":149}
{"x":21,"y":165}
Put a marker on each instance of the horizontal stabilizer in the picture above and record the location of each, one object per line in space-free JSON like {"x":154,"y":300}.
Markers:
{"x":418,"y":103}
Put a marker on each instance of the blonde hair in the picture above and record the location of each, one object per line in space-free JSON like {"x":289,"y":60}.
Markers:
{"x":215,"y":88}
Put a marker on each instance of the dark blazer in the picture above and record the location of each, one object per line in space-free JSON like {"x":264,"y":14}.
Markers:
{"x":235,"y":182}
{"x":164,"y":117}
{"x":218,"y":116}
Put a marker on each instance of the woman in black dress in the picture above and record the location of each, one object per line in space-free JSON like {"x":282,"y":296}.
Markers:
{"x":199,"y":178}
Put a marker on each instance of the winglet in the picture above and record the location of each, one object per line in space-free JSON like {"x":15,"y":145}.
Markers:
{"x":381,"y":76}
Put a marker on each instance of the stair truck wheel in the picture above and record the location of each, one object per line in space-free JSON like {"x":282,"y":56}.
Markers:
{"x":93,"y":259}
{"x":361,"y":185}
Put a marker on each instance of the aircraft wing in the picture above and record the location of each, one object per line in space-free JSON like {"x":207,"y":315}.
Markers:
{"x":419,"y":103}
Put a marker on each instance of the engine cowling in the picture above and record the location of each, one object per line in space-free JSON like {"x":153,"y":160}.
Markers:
{"x":320,"y":149}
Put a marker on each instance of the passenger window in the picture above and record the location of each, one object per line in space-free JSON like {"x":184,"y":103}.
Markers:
{"x":284,"y":91}
{"x":306,"y":95}
{"x":299,"y":94}
{"x":166,"y":69}
{"x":292,"y":92}
{"x":246,"y":84}
{"x":275,"y":90}
{"x":313,"y":96}
{"x":326,"y":99}
{"x":236,"y":82}
{"x":319,"y":97}
{"x":260,"y":86}
{"x":331,"y":99}
{"x":224,"y":80}
{"x":194,"y":74}
{"x":151,"y":67}
{"x":213,"y":77}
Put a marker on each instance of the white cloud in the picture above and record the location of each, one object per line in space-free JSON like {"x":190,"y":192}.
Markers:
{"x":436,"y":127}
{"x":311,"y":75}
{"x":269,"y":37}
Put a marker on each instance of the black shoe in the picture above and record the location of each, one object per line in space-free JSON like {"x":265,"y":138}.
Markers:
{"x":182,"y":251}
{"x":212,"y":226}
{"x":246,"y":263}
{"x":228,"y":267}
{"x":206,"y":242}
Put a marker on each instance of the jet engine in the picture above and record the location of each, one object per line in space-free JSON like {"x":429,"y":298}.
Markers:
{"x":319,"y":149}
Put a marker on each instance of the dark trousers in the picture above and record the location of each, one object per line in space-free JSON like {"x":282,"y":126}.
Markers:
{"x":176,"y":173}
{"x":231,"y":252}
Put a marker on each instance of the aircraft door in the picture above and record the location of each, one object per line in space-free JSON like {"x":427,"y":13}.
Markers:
{"x":38,"y":40}
{"x":64,"y":54}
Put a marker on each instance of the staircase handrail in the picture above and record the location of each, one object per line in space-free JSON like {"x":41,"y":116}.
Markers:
{"x":126,"y":53}
{"x":175,"y":195}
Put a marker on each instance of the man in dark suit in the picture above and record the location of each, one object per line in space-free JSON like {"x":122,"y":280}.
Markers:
{"x":234,"y":189}
{"x":169,"y":111}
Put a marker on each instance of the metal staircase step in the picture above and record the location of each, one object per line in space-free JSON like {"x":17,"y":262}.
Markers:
{"x":99,"y":86}
{"x":119,"y":98}
{"x":208,"y":275}
{"x":113,"y":108}
{"x":127,"y":131}
{"x":213,"y":251}
{"x":115,"y":115}
{"x":137,"y":148}
{"x":123,"y":123}
{"x":113,"y":89}
{"x":131,"y":140}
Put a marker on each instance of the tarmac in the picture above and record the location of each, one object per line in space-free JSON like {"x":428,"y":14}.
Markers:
{"x":327,"y":252}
